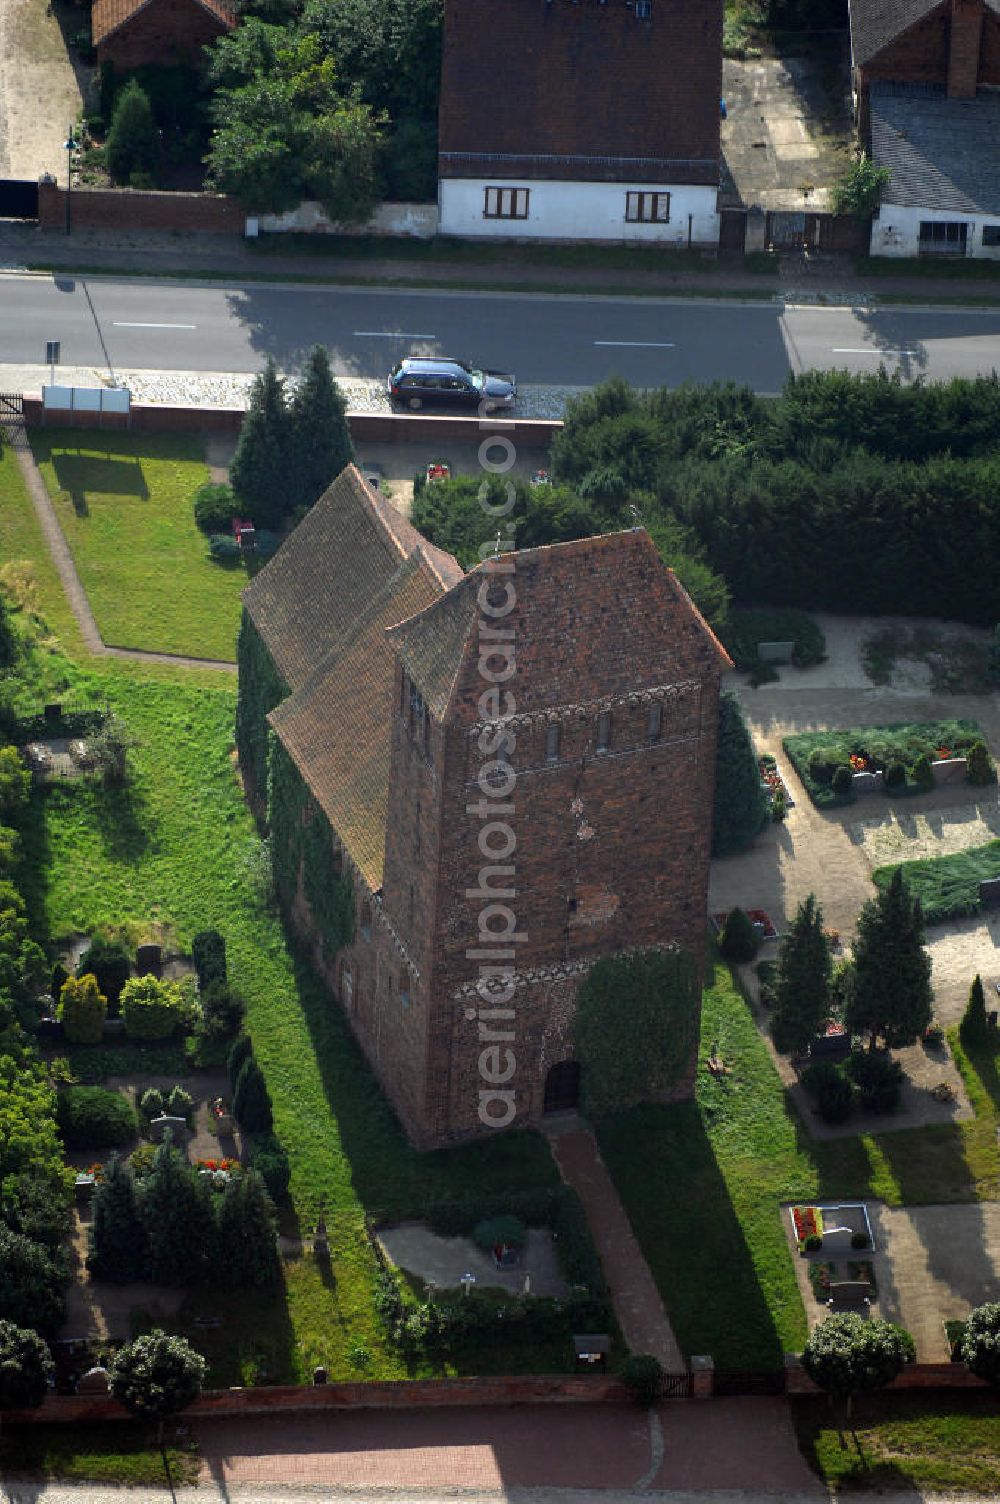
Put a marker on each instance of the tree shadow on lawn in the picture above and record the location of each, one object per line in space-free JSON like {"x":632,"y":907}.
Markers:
{"x":246,"y":1336}
{"x":123,"y":819}
{"x":31,"y":872}
{"x":846,"y":1459}
{"x":393,"y":1180}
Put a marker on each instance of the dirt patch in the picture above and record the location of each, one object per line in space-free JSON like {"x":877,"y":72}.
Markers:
{"x":42,"y":88}
{"x":943,"y":656}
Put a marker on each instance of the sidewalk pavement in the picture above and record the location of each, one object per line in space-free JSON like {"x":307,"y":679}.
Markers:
{"x":819,"y":277}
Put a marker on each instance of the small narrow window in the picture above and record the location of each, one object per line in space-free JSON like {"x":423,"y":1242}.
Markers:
{"x":427,"y":737}
{"x":411,"y":903}
{"x":416,"y":828}
{"x":404,"y":991}
{"x":643,"y":10}
{"x":655,"y":722}
{"x":552,"y":744}
{"x":403,"y":688}
{"x":604,"y":731}
{"x":366,"y":920}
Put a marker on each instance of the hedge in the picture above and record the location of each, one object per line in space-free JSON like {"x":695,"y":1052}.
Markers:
{"x":947,"y":886}
{"x":901,"y":743}
{"x":90,"y":1117}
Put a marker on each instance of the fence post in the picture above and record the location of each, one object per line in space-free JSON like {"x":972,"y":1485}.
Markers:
{"x":702,"y":1376}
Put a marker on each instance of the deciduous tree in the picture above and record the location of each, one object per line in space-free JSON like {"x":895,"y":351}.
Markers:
{"x":25,"y":1368}
{"x":157,"y":1376}
{"x":980,"y":1347}
{"x":846,"y":1355}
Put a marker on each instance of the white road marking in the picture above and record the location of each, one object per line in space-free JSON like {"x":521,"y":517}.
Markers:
{"x":636,"y":344}
{"x":124,"y":324}
{"x":389,"y":334}
{"x":869,"y":351}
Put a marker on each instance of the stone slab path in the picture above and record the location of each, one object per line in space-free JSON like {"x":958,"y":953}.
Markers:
{"x":634,"y":1295}
{"x":69,"y":576}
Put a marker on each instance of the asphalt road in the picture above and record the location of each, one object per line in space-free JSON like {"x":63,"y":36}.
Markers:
{"x":570,"y":340}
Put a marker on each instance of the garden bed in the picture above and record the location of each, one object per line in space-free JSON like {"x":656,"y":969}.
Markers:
{"x":759,"y":918}
{"x":772,"y":781}
{"x":815,"y":1219}
{"x":818,"y":755}
{"x":947,"y":886}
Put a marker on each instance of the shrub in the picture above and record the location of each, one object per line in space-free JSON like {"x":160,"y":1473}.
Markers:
{"x":894,"y":776}
{"x":91,"y":1117}
{"x":923,"y":774}
{"x":980,"y":1344}
{"x":878,"y":1078}
{"x":251,"y":1102}
{"x":643,"y":1376}
{"x":497,"y":1231}
{"x":214,"y":507}
{"x":813,"y":1243}
{"x":31,"y":1283}
{"x":151,"y":1102}
{"x":37,"y":1205}
{"x":818,"y":1076}
{"x":859,"y":1240}
{"x":208,"y":952}
{"x":738,"y":941}
{"x":109,"y":962}
{"x":82,"y":1010}
{"x":240,"y":1052}
{"x":179,"y":1102}
{"x":980,"y":767}
{"x":841,"y":782}
{"x":823,"y":763}
{"x":25,"y":1368}
{"x":268,"y":1158}
{"x":835,"y":1099}
{"x":152,"y":1009}
{"x":224,"y":549}
{"x":222,"y":1011}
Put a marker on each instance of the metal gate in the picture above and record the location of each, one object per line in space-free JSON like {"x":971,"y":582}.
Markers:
{"x":733,"y":230}
{"x":18,"y":198}
{"x":729,"y":1381}
{"x":11,"y":405}
{"x":675,"y":1386}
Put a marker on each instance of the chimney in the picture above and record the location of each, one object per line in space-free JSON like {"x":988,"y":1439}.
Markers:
{"x":964,"y":40}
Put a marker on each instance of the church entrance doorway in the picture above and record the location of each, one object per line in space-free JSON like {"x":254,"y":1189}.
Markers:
{"x":562,"y":1087}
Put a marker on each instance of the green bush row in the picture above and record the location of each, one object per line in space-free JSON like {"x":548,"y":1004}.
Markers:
{"x":903,"y":751}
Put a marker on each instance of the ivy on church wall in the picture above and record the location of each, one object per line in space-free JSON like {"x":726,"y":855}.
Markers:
{"x":636,"y":1027}
{"x":302,"y":841}
{"x":260,"y":689}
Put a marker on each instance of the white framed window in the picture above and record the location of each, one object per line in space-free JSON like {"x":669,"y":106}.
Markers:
{"x":647,"y":208}
{"x":505,"y":203}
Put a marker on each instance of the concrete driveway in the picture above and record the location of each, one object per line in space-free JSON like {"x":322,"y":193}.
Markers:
{"x":42,"y":86}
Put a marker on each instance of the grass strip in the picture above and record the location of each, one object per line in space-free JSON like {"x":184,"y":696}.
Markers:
{"x":113,"y":1452}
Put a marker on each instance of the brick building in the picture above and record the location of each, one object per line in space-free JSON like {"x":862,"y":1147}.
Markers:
{"x":581,"y":120}
{"x":131,"y":33}
{"x":384,"y":673}
{"x":925,"y":75}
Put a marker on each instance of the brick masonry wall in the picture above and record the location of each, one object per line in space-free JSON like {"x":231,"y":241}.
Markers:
{"x":914,"y":1376}
{"x":130,"y":209}
{"x":963,"y":48}
{"x":401,"y":1395}
{"x":920,"y":55}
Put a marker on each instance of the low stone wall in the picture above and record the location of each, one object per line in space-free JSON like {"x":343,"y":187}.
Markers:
{"x":371,"y":428}
{"x":134,"y":209}
{"x":410,"y":221}
{"x":391,"y":1395}
{"x":914,"y":1376}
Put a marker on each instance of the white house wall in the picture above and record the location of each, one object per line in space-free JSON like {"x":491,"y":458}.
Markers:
{"x":896,"y":231}
{"x":579,"y":211}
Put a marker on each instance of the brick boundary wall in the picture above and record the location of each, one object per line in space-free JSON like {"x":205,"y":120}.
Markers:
{"x":371,"y":428}
{"x":404,"y":1394}
{"x":914,"y":1376}
{"x":135,"y":209}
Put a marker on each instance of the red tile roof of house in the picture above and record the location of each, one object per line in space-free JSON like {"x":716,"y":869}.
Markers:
{"x":108,"y":16}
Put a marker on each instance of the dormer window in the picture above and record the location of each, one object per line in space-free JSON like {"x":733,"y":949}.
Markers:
{"x":552,"y":744}
{"x":604,"y":731}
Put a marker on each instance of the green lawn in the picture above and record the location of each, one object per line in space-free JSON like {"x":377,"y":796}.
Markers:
{"x":947,"y":886}
{"x":945,"y":1442}
{"x":116,"y":1452}
{"x":702,"y":1182}
{"x":125,"y":505}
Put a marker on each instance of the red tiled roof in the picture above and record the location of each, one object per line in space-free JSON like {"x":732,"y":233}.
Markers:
{"x":108,"y":15}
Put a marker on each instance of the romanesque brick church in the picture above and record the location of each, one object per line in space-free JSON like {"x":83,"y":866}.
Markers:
{"x":514,"y":772}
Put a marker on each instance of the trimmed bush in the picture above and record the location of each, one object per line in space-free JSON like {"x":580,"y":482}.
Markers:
{"x":498,"y":1231}
{"x":109,"y":962}
{"x":894,"y":776}
{"x":923,"y":773}
{"x":157,"y":1375}
{"x":251,"y":1101}
{"x":859,"y":1240}
{"x":179,"y":1102}
{"x":643,"y":1376}
{"x":151,"y":1009}
{"x":268,"y":1158}
{"x":223,"y":1011}
{"x":82,"y":1010}
{"x":214,"y":507}
{"x":224,"y":549}
{"x":980,"y":769}
{"x":208,"y":952}
{"x":841,"y":782}
{"x":738,"y":941}
{"x":91,"y":1117}
{"x":240,"y":1052}
{"x":830,"y":1090}
{"x":980,"y":1344}
{"x":151,"y":1102}
{"x":878,"y":1078}
{"x":813,"y":1243}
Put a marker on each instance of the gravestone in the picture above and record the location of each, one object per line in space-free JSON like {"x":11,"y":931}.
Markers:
{"x":866,"y":783}
{"x":94,"y":1381}
{"x":950,"y":770}
{"x":775,"y":652}
{"x":989,"y":892}
{"x":159,"y":1126}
